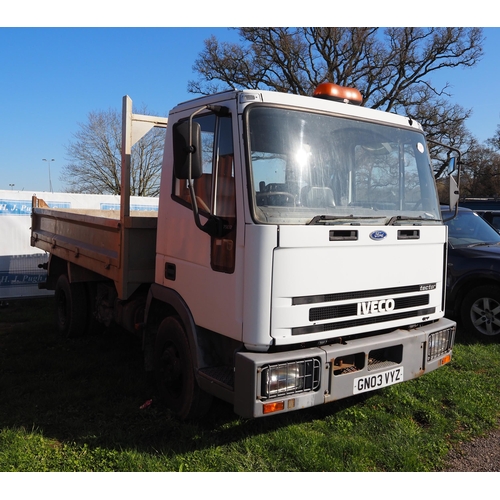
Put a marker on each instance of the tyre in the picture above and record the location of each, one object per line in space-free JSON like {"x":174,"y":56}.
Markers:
{"x":175,"y":376}
{"x":71,"y":307}
{"x":94,"y":326}
{"x":481,"y":312}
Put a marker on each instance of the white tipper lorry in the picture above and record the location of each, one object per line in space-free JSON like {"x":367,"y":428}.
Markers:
{"x":298,"y":255}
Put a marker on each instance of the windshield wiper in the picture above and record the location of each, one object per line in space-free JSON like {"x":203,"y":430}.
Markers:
{"x":483,"y":244}
{"x":350,"y":219}
{"x":400,"y":218}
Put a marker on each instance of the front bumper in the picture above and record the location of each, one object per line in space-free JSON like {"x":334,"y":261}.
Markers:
{"x":264,"y":381}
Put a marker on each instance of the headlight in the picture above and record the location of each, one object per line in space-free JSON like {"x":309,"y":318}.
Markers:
{"x":440,"y":343}
{"x":289,"y":378}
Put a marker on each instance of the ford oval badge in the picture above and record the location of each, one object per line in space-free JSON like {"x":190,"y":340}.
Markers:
{"x":378,"y":235}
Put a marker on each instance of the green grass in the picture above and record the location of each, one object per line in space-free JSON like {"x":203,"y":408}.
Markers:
{"x":74,"y":405}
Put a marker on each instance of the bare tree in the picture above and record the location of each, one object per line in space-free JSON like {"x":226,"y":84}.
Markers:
{"x":494,"y":142}
{"x":95,"y":158}
{"x":391,"y":67}
{"x":481,"y":172}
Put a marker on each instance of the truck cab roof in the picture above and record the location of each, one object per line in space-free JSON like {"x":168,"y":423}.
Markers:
{"x":247,"y":97}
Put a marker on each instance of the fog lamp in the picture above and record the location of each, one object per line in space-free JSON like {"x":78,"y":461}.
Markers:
{"x":283,"y":379}
{"x":440,"y":343}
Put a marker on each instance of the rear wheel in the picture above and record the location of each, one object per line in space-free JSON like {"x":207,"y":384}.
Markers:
{"x":71,"y":307}
{"x":94,"y":326}
{"x":174,"y":368}
{"x":481,"y":312}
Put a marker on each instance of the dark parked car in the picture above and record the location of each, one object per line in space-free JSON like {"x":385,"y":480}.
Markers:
{"x":473,"y":283}
{"x":487,"y":208}
{"x":491,"y":216}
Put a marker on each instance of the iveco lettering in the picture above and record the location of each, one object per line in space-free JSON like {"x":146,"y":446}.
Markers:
{"x":376,"y":306}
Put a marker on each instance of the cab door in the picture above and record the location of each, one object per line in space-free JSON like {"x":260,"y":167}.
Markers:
{"x":202,"y":267}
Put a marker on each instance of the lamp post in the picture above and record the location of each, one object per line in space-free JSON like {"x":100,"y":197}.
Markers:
{"x":48,"y":163}
{"x":11,"y":186}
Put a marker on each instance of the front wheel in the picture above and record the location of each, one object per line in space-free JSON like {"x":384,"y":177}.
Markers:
{"x":481,"y":312}
{"x":174,"y":368}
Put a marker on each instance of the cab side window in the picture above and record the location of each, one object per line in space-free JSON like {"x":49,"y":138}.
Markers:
{"x":215,"y":189}
{"x":203,"y":185}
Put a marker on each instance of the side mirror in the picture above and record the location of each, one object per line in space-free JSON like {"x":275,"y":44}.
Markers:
{"x":186,"y":149}
{"x":452,"y":164}
{"x":454,"y":193}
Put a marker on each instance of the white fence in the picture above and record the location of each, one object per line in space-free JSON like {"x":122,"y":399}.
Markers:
{"x":19,"y":261}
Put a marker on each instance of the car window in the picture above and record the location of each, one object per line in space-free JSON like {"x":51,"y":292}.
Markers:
{"x":495,"y":221}
{"x":468,"y":229}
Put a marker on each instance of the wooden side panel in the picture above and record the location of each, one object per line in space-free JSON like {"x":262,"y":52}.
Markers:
{"x":96,"y":240}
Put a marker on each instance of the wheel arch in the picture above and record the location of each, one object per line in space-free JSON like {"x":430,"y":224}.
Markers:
{"x":468,"y":283}
{"x":74,"y":272}
{"x":163,"y":302}
{"x":56,"y":267}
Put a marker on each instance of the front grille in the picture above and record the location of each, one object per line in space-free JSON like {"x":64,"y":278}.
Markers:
{"x":322,"y":313}
{"x":361,"y":294}
{"x":368,"y":320}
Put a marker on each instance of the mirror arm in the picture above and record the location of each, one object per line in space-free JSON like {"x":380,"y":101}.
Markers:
{"x":454,"y":184}
{"x":215,"y":226}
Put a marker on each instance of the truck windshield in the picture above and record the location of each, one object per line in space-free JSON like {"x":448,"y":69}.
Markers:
{"x":313,"y":168}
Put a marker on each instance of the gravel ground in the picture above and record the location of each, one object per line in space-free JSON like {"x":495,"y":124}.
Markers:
{"x":479,"y":455}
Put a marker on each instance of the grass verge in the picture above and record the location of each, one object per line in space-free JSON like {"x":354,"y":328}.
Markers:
{"x":74,"y":405}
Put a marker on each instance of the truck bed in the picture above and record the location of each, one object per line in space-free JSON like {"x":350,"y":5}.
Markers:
{"x":98,"y":241}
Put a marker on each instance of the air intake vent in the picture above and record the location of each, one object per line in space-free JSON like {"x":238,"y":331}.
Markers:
{"x":408,"y":234}
{"x":343,"y":235}
{"x":363,"y":294}
{"x":367,"y":320}
{"x":322,"y":313}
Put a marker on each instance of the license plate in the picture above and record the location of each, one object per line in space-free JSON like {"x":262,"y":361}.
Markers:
{"x":378,"y":380}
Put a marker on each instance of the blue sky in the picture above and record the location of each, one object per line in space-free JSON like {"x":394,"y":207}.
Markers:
{"x":51,"y":78}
